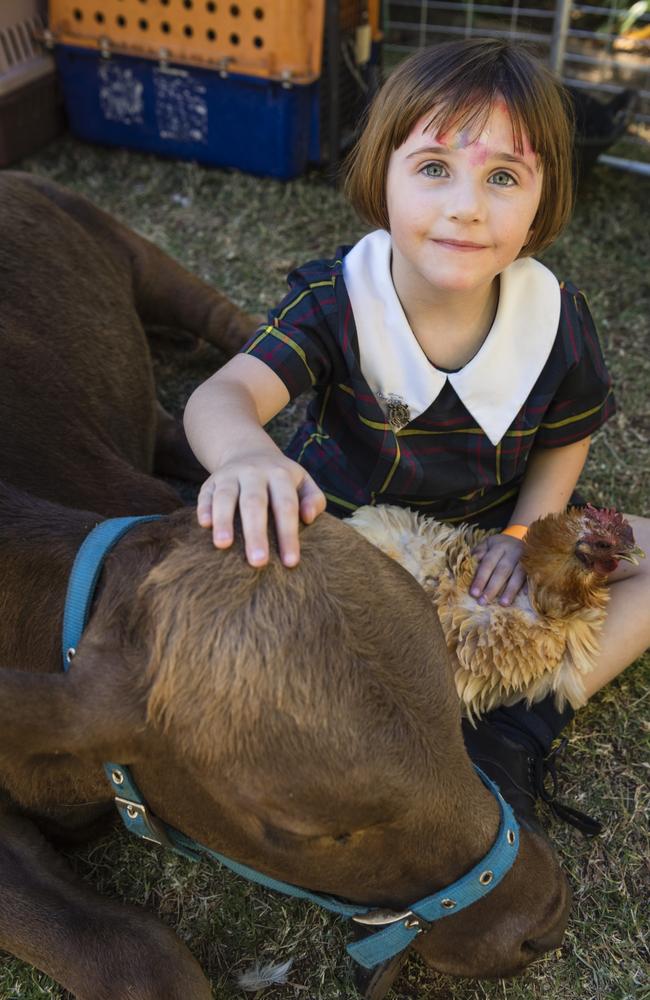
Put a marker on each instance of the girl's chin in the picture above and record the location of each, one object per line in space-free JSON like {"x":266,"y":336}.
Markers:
{"x":461,"y":285}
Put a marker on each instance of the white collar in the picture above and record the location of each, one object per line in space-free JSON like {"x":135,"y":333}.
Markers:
{"x":494,"y":385}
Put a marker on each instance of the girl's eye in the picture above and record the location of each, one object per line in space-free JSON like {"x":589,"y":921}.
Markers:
{"x":433,"y":170}
{"x":502,"y":179}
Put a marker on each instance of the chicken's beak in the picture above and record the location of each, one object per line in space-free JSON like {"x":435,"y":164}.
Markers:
{"x":633,"y":556}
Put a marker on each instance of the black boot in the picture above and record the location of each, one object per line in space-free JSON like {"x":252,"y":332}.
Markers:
{"x":514,"y":748}
{"x":374,"y":984}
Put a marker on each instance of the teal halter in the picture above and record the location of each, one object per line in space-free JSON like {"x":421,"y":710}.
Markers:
{"x":397,"y":929}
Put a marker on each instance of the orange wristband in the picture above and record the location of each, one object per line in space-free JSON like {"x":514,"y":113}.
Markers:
{"x":516,"y":530}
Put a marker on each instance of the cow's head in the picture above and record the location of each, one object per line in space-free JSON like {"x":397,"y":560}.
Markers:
{"x":303,"y":722}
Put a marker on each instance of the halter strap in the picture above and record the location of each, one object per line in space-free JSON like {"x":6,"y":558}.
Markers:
{"x":85,"y":575}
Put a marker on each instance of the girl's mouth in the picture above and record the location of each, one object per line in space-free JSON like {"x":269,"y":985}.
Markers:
{"x":462,"y":245}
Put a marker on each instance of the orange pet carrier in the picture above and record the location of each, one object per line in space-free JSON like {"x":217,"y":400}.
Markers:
{"x":275,"y":39}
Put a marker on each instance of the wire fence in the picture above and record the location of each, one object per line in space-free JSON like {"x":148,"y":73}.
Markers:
{"x":601,"y":48}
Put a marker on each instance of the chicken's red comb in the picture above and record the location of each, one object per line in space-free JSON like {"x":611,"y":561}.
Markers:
{"x":606,"y":517}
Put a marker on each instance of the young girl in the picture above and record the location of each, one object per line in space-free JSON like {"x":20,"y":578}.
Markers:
{"x":453,"y":373}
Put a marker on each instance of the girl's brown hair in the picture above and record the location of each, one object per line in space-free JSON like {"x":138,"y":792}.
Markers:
{"x":457,"y":83}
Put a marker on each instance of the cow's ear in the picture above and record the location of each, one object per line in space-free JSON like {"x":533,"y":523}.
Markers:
{"x":109,"y":698}
{"x":87,"y":711}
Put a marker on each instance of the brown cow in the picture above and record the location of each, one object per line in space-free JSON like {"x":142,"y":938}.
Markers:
{"x":301,"y":721}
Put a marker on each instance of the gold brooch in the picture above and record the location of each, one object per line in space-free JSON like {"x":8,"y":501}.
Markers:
{"x":397,"y":411}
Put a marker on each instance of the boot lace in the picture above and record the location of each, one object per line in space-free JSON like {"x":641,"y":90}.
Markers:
{"x":544,"y":780}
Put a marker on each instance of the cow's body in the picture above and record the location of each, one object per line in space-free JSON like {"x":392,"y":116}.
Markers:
{"x":281,"y":717}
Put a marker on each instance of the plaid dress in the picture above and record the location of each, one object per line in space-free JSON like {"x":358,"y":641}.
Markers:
{"x":441,"y":463}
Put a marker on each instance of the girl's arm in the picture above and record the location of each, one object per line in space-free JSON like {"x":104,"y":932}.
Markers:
{"x":224,"y":421}
{"x":551,"y":476}
{"x":550,"y":479}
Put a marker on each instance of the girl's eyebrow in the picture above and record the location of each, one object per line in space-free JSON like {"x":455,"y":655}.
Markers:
{"x":429,"y":149}
{"x":508,"y":157}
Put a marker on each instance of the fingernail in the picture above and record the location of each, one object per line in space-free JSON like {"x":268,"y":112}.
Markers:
{"x":258,"y":555}
{"x":290,"y":559}
{"x":504,"y":602}
{"x":475,"y":591}
{"x":482,"y":600}
{"x":222,"y":536}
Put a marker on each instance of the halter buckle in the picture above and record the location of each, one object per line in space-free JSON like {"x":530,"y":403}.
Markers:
{"x":137,"y":818}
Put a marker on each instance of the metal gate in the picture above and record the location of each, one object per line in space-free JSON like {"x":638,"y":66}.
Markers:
{"x":601,"y":47}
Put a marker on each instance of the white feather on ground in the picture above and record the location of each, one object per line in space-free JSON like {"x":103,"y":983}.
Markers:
{"x":260,"y":977}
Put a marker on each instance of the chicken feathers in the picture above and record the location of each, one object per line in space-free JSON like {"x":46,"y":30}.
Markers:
{"x":548,"y":638}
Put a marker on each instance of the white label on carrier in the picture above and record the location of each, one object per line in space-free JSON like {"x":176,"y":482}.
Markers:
{"x":120,"y":94}
{"x":181,"y":107}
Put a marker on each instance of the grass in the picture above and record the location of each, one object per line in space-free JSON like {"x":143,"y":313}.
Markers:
{"x":243,"y":234}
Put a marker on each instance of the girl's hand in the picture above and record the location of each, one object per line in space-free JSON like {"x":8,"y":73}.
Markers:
{"x":499,"y":570}
{"x":252,"y":483}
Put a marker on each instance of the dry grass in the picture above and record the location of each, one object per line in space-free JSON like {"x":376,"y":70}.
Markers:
{"x":244,"y":234}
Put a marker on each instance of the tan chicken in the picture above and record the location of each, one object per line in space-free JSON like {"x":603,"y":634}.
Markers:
{"x":548,"y":638}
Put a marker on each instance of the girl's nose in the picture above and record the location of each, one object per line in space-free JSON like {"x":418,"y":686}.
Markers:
{"x":465,"y":202}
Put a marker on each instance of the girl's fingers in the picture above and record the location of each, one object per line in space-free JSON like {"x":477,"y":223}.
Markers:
{"x":513,"y":586}
{"x":496,"y":567}
{"x":204,"y":504}
{"x":479,"y":550}
{"x":223,"y":505}
{"x":284,"y":504}
{"x":312,"y":500}
{"x":253,"y":490}
{"x":254,"y":513}
{"x":498,"y":579}
{"x":484,"y":572}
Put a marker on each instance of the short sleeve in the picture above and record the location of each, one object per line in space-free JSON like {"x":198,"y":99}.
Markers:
{"x":584,"y":399}
{"x":298,"y":341}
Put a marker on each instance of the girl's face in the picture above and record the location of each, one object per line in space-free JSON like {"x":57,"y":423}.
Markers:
{"x":460,"y":206}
